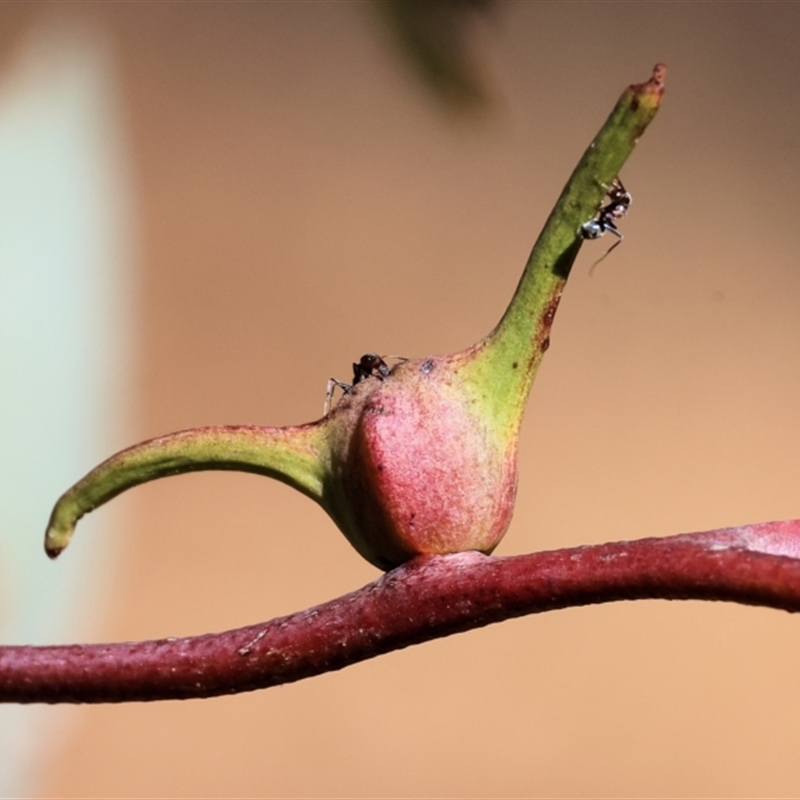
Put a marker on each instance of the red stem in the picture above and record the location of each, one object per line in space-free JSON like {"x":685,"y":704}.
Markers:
{"x":424,"y":599}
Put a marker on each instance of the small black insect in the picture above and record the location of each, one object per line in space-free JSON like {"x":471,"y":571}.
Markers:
{"x":370,"y":365}
{"x":619,"y":201}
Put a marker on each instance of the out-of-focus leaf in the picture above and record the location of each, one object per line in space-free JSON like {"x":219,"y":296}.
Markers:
{"x":434,"y":38}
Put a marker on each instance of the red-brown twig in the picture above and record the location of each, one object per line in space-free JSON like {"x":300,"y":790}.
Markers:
{"x":424,"y":599}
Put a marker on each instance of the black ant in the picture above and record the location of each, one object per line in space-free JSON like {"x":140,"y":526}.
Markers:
{"x":619,"y":201}
{"x":370,"y":365}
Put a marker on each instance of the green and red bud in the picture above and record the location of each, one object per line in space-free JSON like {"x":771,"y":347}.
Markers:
{"x":421,"y":460}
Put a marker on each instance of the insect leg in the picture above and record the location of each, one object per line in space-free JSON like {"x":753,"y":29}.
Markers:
{"x":616,"y":244}
{"x":332,"y":384}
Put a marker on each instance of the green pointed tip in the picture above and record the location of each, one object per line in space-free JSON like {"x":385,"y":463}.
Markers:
{"x":61,"y":526}
{"x":54,"y":550}
{"x":504,"y":364}
{"x":651,"y":91}
{"x":294,"y":455}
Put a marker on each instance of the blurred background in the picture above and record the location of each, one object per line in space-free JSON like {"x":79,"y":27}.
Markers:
{"x":234,"y":201}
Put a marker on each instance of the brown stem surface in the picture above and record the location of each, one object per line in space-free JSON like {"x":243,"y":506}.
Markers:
{"x":425,"y":599}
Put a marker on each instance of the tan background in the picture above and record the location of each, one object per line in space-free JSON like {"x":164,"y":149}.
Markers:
{"x":301,"y":201}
